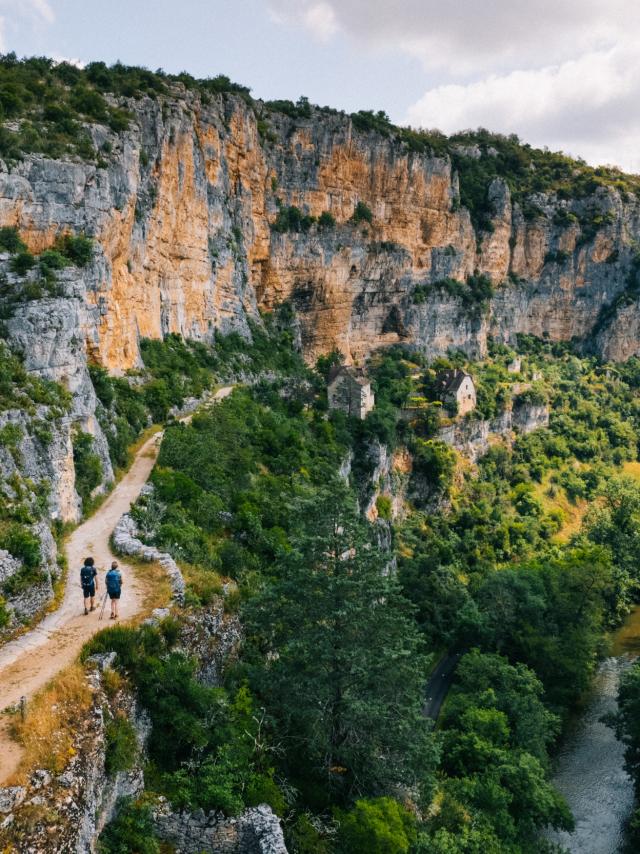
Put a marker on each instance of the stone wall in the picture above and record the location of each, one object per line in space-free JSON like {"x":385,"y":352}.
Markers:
{"x":126,"y":542}
{"x":472,"y":437}
{"x":255,"y":831}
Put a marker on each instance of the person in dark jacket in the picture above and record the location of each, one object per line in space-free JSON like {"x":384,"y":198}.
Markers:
{"x":89,"y":584}
{"x":113,"y":580}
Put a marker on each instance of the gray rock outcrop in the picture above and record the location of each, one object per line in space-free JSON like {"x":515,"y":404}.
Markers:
{"x":255,"y":831}
{"x":126,"y":542}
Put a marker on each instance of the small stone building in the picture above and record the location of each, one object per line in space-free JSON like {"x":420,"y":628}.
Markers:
{"x":456,"y":386}
{"x":350,"y":391}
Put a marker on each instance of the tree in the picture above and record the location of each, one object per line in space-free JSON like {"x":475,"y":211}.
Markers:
{"x":549,"y":614}
{"x":616,"y":525}
{"x":488,"y":681}
{"x":378,"y":826}
{"x":627,"y":721}
{"x":344,"y":673}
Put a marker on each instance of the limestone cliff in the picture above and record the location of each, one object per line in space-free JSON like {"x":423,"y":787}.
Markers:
{"x":182,"y":206}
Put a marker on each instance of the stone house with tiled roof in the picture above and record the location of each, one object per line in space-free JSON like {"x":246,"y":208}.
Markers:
{"x":349,"y":390}
{"x":456,"y":386}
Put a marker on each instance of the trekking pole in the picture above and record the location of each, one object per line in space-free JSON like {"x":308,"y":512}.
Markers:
{"x":104,"y":602}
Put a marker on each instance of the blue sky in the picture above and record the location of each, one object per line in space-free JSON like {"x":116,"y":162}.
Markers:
{"x":562,"y":73}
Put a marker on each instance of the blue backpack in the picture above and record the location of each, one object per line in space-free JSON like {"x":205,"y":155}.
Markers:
{"x":87,"y":574}
{"x":113,"y":581}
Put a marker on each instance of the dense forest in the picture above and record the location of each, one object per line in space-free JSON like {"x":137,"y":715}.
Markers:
{"x":521,"y":562}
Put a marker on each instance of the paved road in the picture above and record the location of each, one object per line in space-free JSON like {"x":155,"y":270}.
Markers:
{"x":439,"y":684}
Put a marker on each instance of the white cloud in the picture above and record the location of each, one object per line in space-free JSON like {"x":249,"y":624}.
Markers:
{"x":562,"y":73}
{"x":14,"y":13}
{"x":586,"y":106}
{"x":321,"y":20}
{"x":466,"y":36}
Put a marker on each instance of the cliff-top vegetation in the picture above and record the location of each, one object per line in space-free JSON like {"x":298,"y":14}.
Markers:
{"x":49,"y":108}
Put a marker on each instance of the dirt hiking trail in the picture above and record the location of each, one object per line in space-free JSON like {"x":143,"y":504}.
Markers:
{"x":31,"y":661}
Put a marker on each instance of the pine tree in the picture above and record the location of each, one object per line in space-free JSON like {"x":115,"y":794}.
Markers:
{"x":344,"y":674}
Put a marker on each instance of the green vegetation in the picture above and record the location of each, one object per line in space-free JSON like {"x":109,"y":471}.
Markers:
{"x":21,"y":390}
{"x":87,"y":464}
{"x":39,"y":273}
{"x":331,"y":603}
{"x":362,"y":213}
{"x":505,"y":561}
{"x":10,"y":240}
{"x":53,"y":103}
{"x":204,"y":750}
{"x":121,"y":745}
{"x":292,"y":219}
{"x":475,"y":293}
{"x":480,"y":157}
{"x":300,"y":110}
{"x":326,"y":220}
{"x":131,"y":831}
{"x":379,"y":825}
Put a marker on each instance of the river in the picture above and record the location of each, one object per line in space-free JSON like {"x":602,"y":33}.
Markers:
{"x":590,"y":767}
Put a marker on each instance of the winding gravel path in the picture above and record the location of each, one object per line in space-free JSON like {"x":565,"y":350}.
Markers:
{"x":29,"y":662}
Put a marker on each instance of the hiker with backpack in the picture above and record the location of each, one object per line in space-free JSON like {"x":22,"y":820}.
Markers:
{"x":113,"y":580}
{"x":89,"y":584}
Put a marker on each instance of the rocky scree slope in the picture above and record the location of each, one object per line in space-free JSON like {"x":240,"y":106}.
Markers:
{"x":191,"y":208}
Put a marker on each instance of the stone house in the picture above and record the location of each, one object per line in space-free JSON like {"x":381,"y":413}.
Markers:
{"x":515,"y":365}
{"x":456,"y":387}
{"x":350,"y":391}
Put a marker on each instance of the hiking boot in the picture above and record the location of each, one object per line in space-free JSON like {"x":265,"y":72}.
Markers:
{"x":86,"y":612}
{"x":92,"y":608}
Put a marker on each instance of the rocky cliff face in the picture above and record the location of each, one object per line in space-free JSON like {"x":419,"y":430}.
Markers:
{"x":182,"y":207}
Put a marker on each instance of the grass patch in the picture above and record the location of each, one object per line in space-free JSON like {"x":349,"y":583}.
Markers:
{"x":52,"y":720}
{"x":203,"y":585}
{"x":572,"y":512}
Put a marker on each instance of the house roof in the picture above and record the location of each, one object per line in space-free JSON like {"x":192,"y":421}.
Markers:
{"x":448,"y":382}
{"x":349,"y":371}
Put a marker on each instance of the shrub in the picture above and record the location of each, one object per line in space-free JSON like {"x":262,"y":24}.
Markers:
{"x":362,"y":213}
{"x":51,"y":259}
{"x":77,"y":248}
{"x":326,"y":220}
{"x":22,"y":543}
{"x":88,"y":465}
{"x":121,"y":745}
{"x":383,"y":506}
{"x":305,"y":838}
{"x":377,"y":826}
{"x":5,"y":614}
{"x":292,"y":219}
{"x":434,"y":461}
{"x":263,"y":789}
{"x":300,"y":110}
{"x":22,"y":263}
{"x":131,"y":831}
{"x":557,"y":257}
{"x":10,"y":240}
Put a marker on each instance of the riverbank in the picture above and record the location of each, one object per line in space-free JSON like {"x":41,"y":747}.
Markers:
{"x":590,"y":767}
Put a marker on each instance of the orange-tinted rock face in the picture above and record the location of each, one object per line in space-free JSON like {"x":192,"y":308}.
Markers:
{"x":182,"y":217}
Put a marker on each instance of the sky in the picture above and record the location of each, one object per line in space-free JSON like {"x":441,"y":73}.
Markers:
{"x":560,"y":73}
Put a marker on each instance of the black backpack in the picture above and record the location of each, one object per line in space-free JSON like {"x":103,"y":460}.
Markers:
{"x":87,"y":574}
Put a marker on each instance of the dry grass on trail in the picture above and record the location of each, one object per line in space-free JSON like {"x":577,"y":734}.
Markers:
{"x":154,"y":583}
{"x":46,"y":736}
